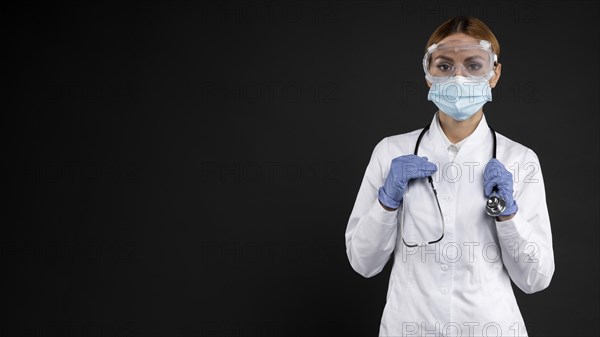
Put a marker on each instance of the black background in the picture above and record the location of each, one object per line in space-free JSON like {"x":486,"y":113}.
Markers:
{"x":188,"y":168}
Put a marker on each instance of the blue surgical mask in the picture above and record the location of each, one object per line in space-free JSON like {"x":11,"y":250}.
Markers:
{"x":460,"y":97}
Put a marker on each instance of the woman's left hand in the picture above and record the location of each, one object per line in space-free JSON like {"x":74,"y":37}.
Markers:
{"x":496,"y":175}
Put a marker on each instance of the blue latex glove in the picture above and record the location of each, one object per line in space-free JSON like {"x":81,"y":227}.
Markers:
{"x":496,"y":175}
{"x":402,"y":170}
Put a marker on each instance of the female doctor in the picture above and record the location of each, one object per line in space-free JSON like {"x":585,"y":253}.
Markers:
{"x":425,"y":200}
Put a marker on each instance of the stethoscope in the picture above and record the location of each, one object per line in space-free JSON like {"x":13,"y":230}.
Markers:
{"x":495,"y":205}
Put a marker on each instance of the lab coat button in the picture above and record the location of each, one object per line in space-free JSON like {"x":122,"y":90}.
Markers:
{"x":449,"y":198}
{"x":444,"y":267}
{"x":444,"y":290}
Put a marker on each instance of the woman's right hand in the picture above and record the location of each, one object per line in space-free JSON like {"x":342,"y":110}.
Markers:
{"x":402,"y":170}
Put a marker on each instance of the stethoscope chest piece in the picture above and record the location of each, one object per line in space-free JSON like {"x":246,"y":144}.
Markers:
{"x":495,"y":206}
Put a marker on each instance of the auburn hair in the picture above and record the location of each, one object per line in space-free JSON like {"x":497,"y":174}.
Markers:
{"x":467,"y":25}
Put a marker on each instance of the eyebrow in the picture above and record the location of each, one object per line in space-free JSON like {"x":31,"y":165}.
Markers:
{"x":445,"y":58}
{"x":473,"y":57}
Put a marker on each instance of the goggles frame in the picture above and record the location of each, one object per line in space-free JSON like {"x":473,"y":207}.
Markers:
{"x":483,"y":45}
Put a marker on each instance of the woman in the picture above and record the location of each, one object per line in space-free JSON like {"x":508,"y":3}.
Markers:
{"x":424,"y":200}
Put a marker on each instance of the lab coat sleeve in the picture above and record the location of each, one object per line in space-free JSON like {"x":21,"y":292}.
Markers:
{"x":526,"y":239}
{"x":371,"y":231}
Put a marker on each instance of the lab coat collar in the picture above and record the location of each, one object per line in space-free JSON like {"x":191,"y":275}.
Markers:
{"x":481,"y":132}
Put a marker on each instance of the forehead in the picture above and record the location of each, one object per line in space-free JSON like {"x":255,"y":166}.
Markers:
{"x":459,"y":38}
{"x":460,"y":46}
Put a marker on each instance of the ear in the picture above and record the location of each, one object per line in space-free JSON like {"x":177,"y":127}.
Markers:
{"x":496,"y":77}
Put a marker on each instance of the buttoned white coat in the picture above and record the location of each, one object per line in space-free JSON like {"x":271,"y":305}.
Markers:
{"x":460,"y":286}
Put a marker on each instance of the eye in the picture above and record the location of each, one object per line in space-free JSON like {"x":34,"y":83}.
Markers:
{"x":444,"y":67}
{"x":474,"y":66}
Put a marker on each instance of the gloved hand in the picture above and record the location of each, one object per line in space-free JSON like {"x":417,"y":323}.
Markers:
{"x":402,"y":170}
{"x":495,"y":174}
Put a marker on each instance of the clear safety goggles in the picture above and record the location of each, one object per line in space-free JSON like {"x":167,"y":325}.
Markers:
{"x":455,"y":58}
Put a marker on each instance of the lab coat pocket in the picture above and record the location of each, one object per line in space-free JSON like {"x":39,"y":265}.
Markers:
{"x":420,"y":219}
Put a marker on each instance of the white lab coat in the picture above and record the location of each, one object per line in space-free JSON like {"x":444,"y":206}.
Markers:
{"x":461,"y":285}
